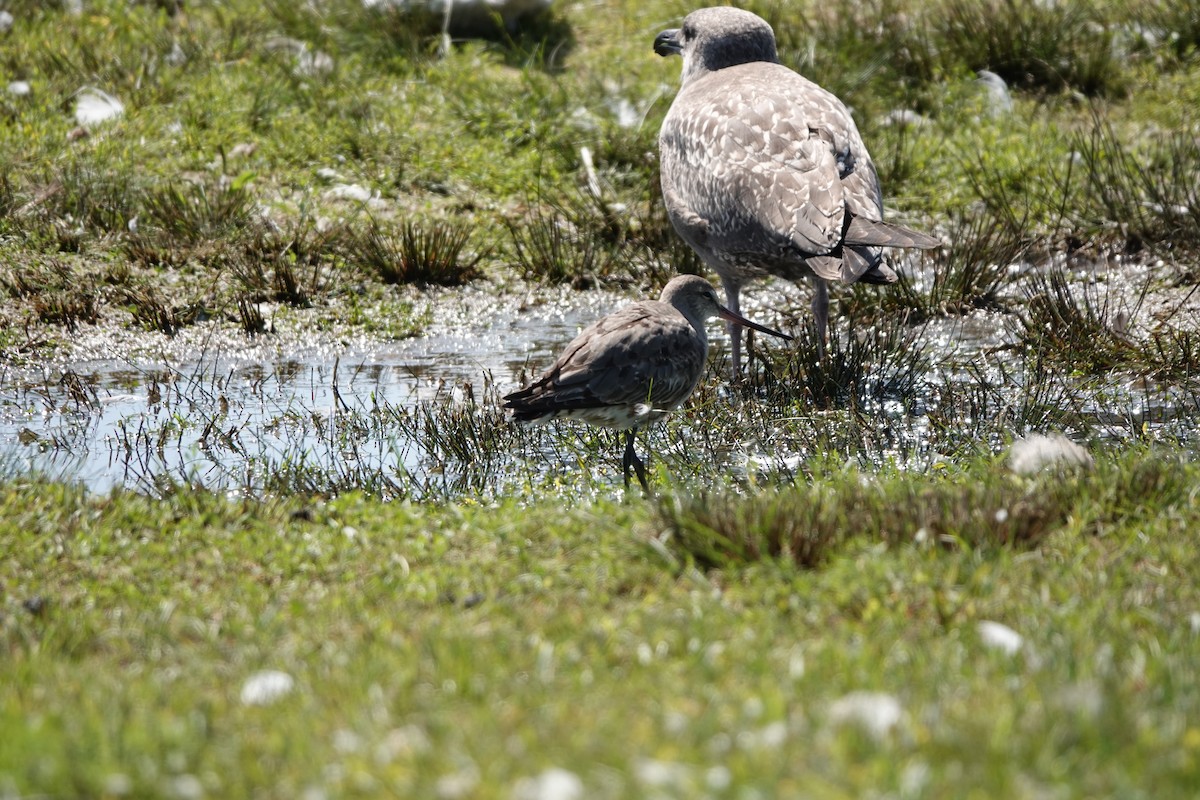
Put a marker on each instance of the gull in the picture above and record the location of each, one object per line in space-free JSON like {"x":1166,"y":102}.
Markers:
{"x":764,"y":172}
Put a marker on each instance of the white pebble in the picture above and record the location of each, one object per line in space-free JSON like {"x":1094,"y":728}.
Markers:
{"x":553,"y":784}
{"x":999,"y":637}
{"x":1032,"y":454}
{"x":661,"y":774}
{"x":186,"y":787}
{"x":266,"y":687}
{"x":93,"y":106}
{"x":348,"y":191}
{"x":875,"y":712}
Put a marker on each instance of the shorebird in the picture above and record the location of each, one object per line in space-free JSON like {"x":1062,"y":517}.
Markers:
{"x":632,"y":367}
{"x":764,"y":172}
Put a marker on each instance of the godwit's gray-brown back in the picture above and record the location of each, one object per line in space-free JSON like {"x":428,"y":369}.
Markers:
{"x":632,"y":367}
{"x":763,"y":171}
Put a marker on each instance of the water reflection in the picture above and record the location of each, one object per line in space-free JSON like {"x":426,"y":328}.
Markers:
{"x":420,"y":417}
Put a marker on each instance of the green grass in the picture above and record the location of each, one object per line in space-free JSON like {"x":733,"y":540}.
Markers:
{"x":228,"y":125}
{"x":508,"y":613}
{"x":475,"y":647}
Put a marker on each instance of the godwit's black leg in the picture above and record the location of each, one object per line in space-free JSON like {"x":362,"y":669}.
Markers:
{"x":631,"y":460}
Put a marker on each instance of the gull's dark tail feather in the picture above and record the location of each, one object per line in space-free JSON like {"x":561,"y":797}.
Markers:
{"x":870,"y":233}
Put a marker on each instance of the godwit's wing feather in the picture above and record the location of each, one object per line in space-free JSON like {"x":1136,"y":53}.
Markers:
{"x":644,"y":355}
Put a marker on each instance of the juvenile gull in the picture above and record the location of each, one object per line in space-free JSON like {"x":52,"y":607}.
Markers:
{"x":632,"y":367}
{"x":763,"y":171}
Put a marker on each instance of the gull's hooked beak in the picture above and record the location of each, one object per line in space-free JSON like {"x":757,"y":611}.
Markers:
{"x":737,"y":319}
{"x":667,"y":43}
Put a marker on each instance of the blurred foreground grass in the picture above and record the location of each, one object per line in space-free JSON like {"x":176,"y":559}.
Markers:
{"x":537,"y":651}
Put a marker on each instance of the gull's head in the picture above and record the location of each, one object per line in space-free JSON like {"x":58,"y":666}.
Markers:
{"x":715,"y":38}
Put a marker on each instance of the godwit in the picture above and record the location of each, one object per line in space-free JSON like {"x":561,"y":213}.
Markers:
{"x":632,"y":367}
{"x":764,"y":172}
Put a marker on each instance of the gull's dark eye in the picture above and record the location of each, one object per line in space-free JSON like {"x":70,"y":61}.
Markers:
{"x":688,"y":31}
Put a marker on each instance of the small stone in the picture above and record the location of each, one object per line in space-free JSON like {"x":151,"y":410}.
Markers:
{"x":348,"y":191}
{"x":553,"y":784}
{"x":266,"y":687}
{"x":185,"y":787}
{"x":999,"y":101}
{"x":999,"y":637}
{"x":1032,"y":454}
{"x":877,"y":713}
{"x":93,"y":106}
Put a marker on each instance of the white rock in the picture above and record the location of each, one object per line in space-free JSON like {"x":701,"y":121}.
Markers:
{"x":1032,"y":454}
{"x":6,"y":21}
{"x":313,"y":62}
{"x":770,"y":737}
{"x":117,"y":784}
{"x":20,"y":88}
{"x":176,"y":58}
{"x":877,"y":713}
{"x":999,"y":101}
{"x":266,"y":687}
{"x":93,"y":106}
{"x":651,"y":772}
{"x":999,"y":637}
{"x":457,"y":784}
{"x":904,"y":118}
{"x":553,"y":784}
{"x":411,"y":740}
{"x":718,"y":778}
{"x":185,"y":787}
{"x":348,"y":191}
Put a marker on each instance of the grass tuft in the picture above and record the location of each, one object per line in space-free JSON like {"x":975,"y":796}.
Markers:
{"x":195,"y":213}
{"x":57,"y":293}
{"x":1054,"y":47}
{"x":804,"y":524}
{"x":967,"y":275}
{"x":548,"y":246}
{"x":425,"y":253}
{"x":1147,"y":193}
{"x":870,"y":364}
{"x":286,"y":262}
{"x":89,"y":198}
{"x":252,"y":321}
{"x":1071,"y":325}
{"x":153,"y":312}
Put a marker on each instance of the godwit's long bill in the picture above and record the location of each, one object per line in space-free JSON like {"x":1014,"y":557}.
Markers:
{"x":763,"y":171}
{"x":632,"y":367}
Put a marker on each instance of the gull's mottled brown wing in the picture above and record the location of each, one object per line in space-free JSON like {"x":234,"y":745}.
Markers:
{"x":767,"y":161}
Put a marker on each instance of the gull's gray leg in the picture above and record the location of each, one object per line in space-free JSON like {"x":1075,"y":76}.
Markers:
{"x":732,"y":302}
{"x":820,"y":308}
